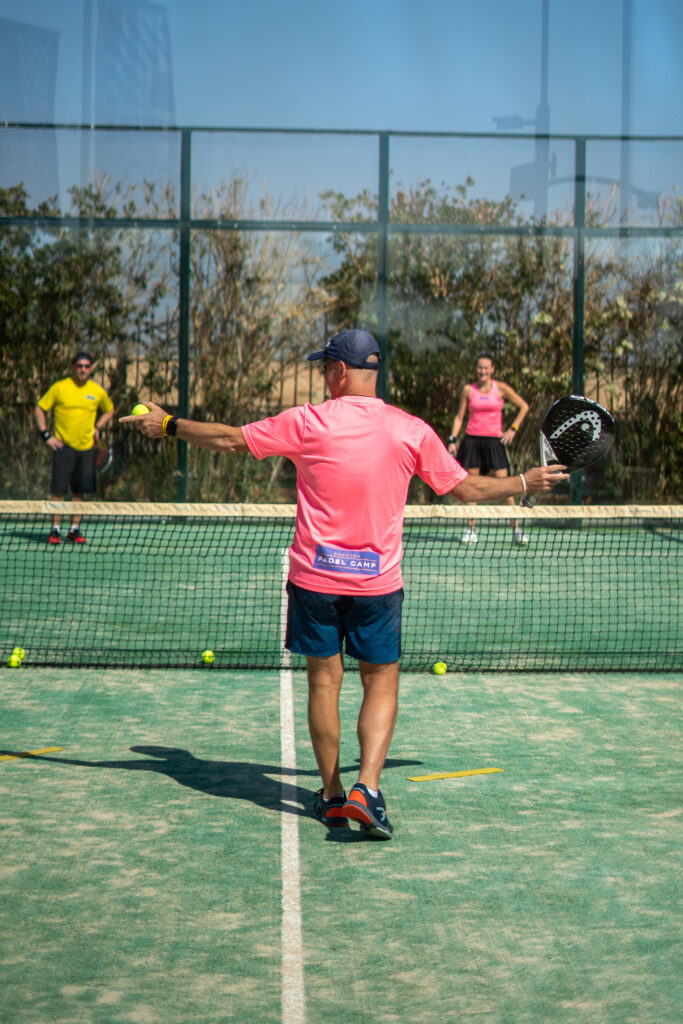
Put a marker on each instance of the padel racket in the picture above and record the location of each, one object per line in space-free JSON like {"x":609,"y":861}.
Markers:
{"x":576,"y":432}
{"x":103,"y":456}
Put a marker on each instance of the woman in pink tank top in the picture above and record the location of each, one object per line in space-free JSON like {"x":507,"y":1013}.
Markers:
{"x":483,"y":448}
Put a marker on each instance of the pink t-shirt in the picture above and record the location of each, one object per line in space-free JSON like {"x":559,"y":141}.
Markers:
{"x":485,"y":412}
{"x":355,"y":457}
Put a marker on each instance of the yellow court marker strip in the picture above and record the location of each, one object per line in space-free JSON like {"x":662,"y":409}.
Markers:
{"x":30,"y":753}
{"x":452,"y":775}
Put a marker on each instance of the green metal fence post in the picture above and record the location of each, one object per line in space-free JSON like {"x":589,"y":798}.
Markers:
{"x":184,"y":304}
{"x":575,"y":485}
{"x":383,"y":262}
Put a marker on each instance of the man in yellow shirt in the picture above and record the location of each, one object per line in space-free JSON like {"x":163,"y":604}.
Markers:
{"x":80,"y":411}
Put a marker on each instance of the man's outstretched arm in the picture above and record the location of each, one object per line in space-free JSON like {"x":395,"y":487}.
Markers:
{"x":218,"y":437}
{"x":492,"y":488}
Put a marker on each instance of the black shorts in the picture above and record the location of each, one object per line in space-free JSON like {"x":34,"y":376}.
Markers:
{"x":482,"y":453}
{"x":73,"y":470}
{"x":368,"y":626}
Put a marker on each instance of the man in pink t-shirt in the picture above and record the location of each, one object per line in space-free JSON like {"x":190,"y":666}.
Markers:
{"x":355,"y":456}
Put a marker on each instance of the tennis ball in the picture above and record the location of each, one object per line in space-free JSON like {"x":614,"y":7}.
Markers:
{"x":140,"y":409}
{"x":19,"y":652}
{"x":14,"y":661}
{"x":208,"y":657}
{"x":439,"y":668}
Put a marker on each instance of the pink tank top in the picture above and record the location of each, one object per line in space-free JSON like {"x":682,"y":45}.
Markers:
{"x":485,"y":412}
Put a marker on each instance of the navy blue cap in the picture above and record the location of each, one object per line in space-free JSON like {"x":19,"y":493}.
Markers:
{"x":350,"y":347}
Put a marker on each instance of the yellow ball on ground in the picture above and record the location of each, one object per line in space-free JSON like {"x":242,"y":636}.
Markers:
{"x":439,"y":668}
{"x":14,"y":661}
{"x":20,"y":652}
{"x":140,"y":409}
{"x":208,"y":657}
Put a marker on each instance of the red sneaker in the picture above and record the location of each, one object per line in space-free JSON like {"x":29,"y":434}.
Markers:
{"x":369,"y":810}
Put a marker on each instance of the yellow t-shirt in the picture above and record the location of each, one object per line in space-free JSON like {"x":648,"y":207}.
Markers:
{"x":75,"y":409}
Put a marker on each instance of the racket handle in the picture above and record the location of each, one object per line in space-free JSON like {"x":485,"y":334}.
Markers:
{"x":528,"y":501}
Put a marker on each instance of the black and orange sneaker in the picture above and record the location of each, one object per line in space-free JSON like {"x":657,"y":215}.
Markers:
{"x":329,"y":811}
{"x":75,"y":536}
{"x":55,"y":536}
{"x":369,"y":810}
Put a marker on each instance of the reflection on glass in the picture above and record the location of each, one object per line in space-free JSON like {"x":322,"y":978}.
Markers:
{"x":634,"y":183}
{"x":130,"y":173}
{"x":279,"y":175}
{"x":480,"y":181}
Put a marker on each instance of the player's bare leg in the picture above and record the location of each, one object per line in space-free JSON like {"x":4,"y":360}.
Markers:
{"x":56,"y":520}
{"x":76,"y":520}
{"x":324,"y":685}
{"x":376,"y":719}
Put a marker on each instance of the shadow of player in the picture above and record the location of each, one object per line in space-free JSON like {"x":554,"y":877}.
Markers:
{"x":265,"y":785}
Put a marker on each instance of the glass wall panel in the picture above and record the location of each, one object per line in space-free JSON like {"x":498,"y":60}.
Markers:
{"x":133,"y":173}
{"x":278,"y":176}
{"x":635,"y":183}
{"x":261,"y":301}
{"x":501,"y":178}
{"x":633,"y":353}
{"x":110,"y":292}
{"x":453,"y":297}
{"x":138,"y":171}
{"x":29,"y":157}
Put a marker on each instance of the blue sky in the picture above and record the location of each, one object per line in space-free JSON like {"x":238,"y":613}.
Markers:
{"x":416,"y":65}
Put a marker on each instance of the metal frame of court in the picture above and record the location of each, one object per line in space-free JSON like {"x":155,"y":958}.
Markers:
{"x":580,"y":232}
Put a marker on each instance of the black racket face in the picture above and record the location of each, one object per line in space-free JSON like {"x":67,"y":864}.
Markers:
{"x":103,"y":456}
{"x":576,"y":432}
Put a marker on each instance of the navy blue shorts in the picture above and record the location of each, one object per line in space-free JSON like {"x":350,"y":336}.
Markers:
{"x":482,"y":453}
{"x":369,"y":625}
{"x":73,"y":469}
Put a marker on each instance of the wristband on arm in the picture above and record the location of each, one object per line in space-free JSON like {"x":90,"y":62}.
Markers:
{"x":169,"y":426}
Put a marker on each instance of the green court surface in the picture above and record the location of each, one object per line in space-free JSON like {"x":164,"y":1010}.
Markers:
{"x":163,"y":865}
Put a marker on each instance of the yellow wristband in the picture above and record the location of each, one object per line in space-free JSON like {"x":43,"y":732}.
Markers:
{"x":513,"y":427}
{"x":165,"y":424}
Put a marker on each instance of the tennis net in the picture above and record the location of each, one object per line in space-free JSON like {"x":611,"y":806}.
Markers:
{"x":156,"y":585}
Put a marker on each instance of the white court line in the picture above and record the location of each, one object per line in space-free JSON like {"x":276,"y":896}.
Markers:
{"x":293,"y":991}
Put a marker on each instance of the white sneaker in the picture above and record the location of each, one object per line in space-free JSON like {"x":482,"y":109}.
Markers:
{"x":519,"y":537}
{"x":470,"y":537}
